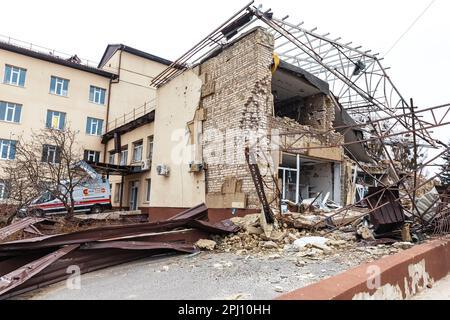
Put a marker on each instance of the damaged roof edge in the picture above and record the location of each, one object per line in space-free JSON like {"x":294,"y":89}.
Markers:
{"x":323,"y":86}
{"x":221,"y":48}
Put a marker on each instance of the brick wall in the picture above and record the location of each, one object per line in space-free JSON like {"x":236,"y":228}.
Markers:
{"x":237,"y":99}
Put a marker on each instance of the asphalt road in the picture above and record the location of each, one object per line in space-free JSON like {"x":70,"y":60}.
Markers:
{"x":205,"y":276}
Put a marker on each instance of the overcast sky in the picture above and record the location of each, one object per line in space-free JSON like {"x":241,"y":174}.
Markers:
{"x":420,"y":62}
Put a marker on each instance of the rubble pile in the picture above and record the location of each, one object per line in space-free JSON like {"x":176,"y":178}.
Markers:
{"x":293,"y":237}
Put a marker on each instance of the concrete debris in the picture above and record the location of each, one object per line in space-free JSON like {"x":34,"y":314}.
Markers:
{"x":279,"y":289}
{"x":239,"y":296}
{"x":205,"y":244}
{"x":315,"y":241}
{"x":269,"y":245}
{"x":403,"y":245}
{"x":366,"y":233}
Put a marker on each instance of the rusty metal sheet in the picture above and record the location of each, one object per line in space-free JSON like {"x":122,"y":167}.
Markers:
{"x":389,"y":212}
{"x":17,"y":226}
{"x":139,"y":245}
{"x":114,"y":232}
{"x":21,"y":275}
{"x":95,"y":234}
{"x":222,"y":227}
{"x":195,"y":213}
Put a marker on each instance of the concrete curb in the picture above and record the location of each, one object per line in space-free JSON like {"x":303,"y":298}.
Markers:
{"x":395,"y":277}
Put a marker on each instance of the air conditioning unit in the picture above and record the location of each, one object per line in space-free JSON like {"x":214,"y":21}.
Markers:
{"x":196,"y":166}
{"x":162,"y":170}
{"x":146,"y":165}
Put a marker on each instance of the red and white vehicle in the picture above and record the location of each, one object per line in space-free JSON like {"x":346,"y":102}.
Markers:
{"x":93,"y":196}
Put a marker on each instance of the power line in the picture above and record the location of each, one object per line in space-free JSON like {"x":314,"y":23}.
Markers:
{"x":410,"y":27}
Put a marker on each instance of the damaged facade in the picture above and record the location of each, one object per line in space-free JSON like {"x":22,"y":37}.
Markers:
{"x":171,"y":148}
{"x":204,"y":119}
{"x":175,"y":134}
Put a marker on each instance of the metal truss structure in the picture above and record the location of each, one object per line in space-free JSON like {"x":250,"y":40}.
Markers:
{"x":359,"y":84}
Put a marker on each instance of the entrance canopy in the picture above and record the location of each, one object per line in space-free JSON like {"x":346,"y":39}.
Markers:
{"x":113,"y":169}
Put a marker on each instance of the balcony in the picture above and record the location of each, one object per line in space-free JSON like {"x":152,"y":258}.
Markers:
{"x":136,"y":118}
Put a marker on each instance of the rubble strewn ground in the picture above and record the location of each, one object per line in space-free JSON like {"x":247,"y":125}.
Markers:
{"x":245,"y":265}
{"x":213,"y":275}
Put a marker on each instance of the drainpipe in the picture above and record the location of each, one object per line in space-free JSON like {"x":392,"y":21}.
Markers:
{"x":111,"y":81}
{"x":105,"y":148}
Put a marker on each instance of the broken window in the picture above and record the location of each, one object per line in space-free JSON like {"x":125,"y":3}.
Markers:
{"x":304,"y":178}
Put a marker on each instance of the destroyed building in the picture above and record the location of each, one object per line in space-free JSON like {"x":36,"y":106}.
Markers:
{"x":171,"y":135}
{"x":238,"y":93}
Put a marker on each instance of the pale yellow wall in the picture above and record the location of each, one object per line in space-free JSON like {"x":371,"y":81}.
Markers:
{"x":133,"y":90}
{"x":36,"y":99}
{"x":128,"y":139}
{"x":177,"y":102}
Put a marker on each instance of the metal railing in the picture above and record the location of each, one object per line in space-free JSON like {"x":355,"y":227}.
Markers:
{"x":136,"y":113}
{"x":48,"y":51}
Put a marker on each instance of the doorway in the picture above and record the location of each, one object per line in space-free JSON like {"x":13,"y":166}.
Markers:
{"x":134,"y":192}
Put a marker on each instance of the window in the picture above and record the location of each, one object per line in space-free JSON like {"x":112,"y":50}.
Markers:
{"x":117,"y":192}
{"x":123,"y":157}
{"x":10,"y":112}
{"x":50,"y":154}
{"x":97,"y":95}
{"x":15,"y":76}
{"x":59,"y":86}
{"x":2,"y":190}
{"x":92,"y":156}
{"x":55,"y":120}
{"x":150,"y":148}
{"x":7,"y":149}
{"x":149,"y":188}
{"x":137,"y":151}
{"x":94,"y":126}
{"x":112,"y":157}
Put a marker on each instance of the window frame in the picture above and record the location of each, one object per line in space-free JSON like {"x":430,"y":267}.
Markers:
{"x":59,"y":81}
{"x":16,"y":108}
{"x":8,"y":144}
{"x":112,"y":156}
{"x":59,"y":116}
{"x":148,"y":190}
{"x":51,"y":149}
{"x":138,"y":146}
{"x":150,"y":144}
{"x":99,"y":128}
{"x":19,"y":71}
{"x":2,"y":191}
{"x":122,"y":152}
{"x":117,"y":192}
{"x":95,"y":154}
{"x":101,"y":95}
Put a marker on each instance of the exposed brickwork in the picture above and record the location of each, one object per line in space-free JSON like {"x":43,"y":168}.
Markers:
{"x":241,"y":102}
{"x":239,"y":106}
